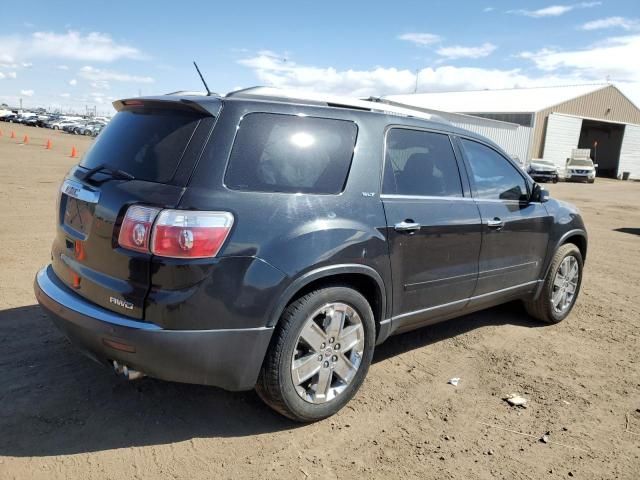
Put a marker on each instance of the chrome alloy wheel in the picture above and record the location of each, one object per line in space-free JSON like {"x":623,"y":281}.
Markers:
{"x":328,"y":353}
{"x":565,"y":284}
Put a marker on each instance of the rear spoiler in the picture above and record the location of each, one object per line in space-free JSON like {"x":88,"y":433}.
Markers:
{"x":204,"y":105}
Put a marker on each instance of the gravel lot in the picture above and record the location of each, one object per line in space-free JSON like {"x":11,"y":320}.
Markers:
{"x":61,"y":416}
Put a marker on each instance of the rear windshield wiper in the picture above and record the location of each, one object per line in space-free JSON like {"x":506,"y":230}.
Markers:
{"x":114,"y":173}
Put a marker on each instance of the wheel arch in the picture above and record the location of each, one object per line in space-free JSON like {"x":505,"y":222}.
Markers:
{"x":362,"y":278}
{"x":576,"y":236}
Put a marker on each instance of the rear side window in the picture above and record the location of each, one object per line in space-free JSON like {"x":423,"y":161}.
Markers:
{"x":147,"y":143}
{"x":291,"y":154}
{"x":420,"y":163}
{"x":494,"y":177}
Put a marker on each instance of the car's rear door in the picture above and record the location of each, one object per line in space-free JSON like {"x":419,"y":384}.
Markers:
{"x":158,"y":144}
{"x":433,"y":227}
{"x":515,"y":231}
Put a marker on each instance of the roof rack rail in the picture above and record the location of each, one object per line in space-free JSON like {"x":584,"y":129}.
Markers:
{"x":320,"y":99}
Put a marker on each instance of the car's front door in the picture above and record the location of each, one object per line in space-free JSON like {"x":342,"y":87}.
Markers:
{"x":433,"y":229}
{"x":515,"y":231}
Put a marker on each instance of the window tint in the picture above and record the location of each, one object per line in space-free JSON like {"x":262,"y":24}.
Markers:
{"x":420,"y":163}
{"x":287,"y":153}
{"x":147,"y":143}
{"x":494,"y":177}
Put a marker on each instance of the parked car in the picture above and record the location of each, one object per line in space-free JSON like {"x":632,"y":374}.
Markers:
{"x":273,"y":243}
{"x":11,"y":118}
{"x":543,"y":170}
{"x":60,"y":124}
{"x":87,"y":128}
{"x":580,"y":170}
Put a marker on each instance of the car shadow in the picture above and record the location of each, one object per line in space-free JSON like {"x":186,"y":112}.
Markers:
{"x":55,"y":401}
{"x":631,"y":230}
{"x":508,"y":314}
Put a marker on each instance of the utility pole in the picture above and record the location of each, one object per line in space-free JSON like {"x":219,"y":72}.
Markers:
{"x":415,"y":90}
{"x":21,"y":104}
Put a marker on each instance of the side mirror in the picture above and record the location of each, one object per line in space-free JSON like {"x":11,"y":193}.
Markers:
{"x":539,"y":194}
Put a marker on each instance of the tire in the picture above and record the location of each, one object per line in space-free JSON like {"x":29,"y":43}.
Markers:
{"x":591,"y":181}
{"x":543,"y":308}
{"x":276,"y":384}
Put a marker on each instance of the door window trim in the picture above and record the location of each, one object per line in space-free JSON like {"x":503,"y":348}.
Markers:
{"x":462,"y":173}
{"x":469,"y":171}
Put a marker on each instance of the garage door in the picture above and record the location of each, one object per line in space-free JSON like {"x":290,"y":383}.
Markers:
{"x":630,"y":151}
{"x":563,"y":135}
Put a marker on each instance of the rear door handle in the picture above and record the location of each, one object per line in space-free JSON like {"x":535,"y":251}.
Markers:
{"x":495,"y":224}
{"x":407,"y":226}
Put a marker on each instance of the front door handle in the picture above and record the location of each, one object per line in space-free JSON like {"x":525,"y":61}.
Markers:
{"x":407,"y":226}
{"x":495,"y":224}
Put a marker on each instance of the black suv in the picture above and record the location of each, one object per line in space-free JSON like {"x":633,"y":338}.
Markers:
{"x":268,"y":241}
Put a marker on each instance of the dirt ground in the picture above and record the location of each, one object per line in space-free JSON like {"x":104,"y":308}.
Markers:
{"x":61,"y":416}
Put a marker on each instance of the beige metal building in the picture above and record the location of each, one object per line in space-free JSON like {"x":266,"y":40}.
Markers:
{"x":599,"y":117}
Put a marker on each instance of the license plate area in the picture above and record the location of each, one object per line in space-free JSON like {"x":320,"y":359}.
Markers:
{"x":78,"y":207}
{"x":78,"y":216}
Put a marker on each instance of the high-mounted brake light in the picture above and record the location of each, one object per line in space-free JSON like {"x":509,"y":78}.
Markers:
{"x":174,"y":233}
{"x":190,"y":234}
{"x":135,"y":232}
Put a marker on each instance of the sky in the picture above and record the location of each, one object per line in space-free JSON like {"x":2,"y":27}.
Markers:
{"x":89,"y":53}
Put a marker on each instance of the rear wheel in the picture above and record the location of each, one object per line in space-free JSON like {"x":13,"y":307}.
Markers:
{"x":561,"y":286}
{"x":320,"y":354}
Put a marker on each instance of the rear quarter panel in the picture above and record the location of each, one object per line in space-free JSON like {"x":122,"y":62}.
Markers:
{"x":277,"y":237}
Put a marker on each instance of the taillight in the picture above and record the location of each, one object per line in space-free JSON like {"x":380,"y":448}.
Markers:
{"x":190,"y":234}
{"x":174,"y":233}
{"x":135,"y":232}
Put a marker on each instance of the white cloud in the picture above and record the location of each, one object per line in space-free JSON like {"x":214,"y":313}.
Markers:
{"x":72,"y":45}
{"x":63,"y":67}
{"x":610,"y":58}
{"x":554,"y":10}
{"x":100,"y":85}
{"x":73,"y":82}
{"x":458,"y":51}
{"x":421,"y":39}
{"x":611,"y":22}
{"x":27,"y":93}
{"x":488,"y":9}
{"x":383,"y":81}
{"x":96,"y":74}
{"x":2,"y":75}
{"x":12,"y":74}
{"x":65,"y":95}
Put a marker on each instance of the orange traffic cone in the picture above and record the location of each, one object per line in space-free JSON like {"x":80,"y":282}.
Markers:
{"x":74,"y":152}
{"x":49,"y":145}
{"x":13,"y":134}
{"x":25,"y":140}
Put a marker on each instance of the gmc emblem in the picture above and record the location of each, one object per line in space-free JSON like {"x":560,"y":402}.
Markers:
{"x":121,"y":303}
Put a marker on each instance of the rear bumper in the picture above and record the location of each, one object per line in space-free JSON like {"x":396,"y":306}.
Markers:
{"x":230,"y":359}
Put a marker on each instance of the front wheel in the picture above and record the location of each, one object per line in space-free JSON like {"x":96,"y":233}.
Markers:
{"x":561,"y":286}
{"x":320,"y":354}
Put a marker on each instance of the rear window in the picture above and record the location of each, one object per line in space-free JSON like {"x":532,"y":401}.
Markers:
{"x":291,"y":154}
{"x":147,"y":143}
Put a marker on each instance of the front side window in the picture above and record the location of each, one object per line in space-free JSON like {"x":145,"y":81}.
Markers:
{"x":291,"y":154}
{"x":420,"y":163}
{"x":494,"y":177}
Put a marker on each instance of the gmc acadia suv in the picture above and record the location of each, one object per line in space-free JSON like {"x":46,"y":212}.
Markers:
{"x":270,"y":240}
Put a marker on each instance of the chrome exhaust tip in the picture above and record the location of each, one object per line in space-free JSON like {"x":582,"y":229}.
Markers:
{"x":127,"y":372}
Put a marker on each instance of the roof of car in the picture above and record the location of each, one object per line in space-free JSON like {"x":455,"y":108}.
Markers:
{"x":312,"y":99}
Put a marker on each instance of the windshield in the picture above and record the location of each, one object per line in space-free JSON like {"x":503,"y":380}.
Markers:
{"x":581,"y":163}
{"x":147,"y":143}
